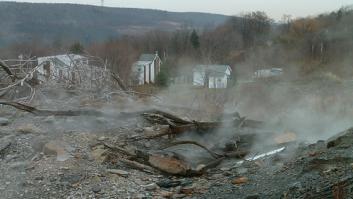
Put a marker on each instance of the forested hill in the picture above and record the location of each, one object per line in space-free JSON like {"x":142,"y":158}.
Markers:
{"x":54,"y":22}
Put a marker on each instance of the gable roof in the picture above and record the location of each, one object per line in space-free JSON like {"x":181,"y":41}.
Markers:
{"x":214,"y":70}
{"x":63,"y":60}
{"x":147,"y":57}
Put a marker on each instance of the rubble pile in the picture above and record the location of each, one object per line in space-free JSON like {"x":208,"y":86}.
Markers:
{"x":71,"y":143}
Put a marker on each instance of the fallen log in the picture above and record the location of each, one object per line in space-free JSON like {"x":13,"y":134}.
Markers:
{"x":40,"y":112}
{"x":178,"y":125}
{"x":213,"y":154}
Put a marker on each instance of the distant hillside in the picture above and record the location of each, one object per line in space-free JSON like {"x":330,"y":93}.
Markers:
{"x":55,"y":22}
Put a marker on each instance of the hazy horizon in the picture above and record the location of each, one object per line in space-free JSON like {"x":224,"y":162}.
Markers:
{"x":274,"y":8}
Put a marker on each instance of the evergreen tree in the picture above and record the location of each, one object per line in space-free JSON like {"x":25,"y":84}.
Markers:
{"x":194,"y":39}
{"x":76,"y":48}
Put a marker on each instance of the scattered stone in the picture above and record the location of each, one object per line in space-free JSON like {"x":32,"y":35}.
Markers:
{"x":4,"y":144}
{"x":254,"y":196}
{"x":151,"y":187}
{"x":57,"y":149}
{"x":166,"y":194}
{"x":99,"y":153}
{"x":241,"y":170}
{"x":138,"y":130}
{"x":49,"y":119}
{"x":39,"y":178}
{"x":18,"y":165}
{"x":102,"y":138}
{"x":187,"y":190}
{"x":230,"y":146}
{"x":155,"y":130}
{"x":118,"y":172}
{"x":139,"y":196}
{"x":4,"y":121}
{"x":72,"y":178}
{"x":28,"y":129}
{"x":147,"y":144}
{"x":225,"y":169}
{"x":169,"y":183}
{"x":96,"y":189}
{"x":179,"y":196}
{"x":239,"y":181}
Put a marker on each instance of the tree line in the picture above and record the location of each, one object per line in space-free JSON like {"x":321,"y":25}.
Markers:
{"x":302,"y":46}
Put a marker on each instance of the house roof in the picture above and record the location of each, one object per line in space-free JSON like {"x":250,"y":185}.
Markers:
{"x":64,"y":60}
{"x":147,"y":57}
{"x":214,"y":70}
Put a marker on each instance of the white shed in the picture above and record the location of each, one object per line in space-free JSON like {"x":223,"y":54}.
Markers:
{"x":146,"y":69}
{"x":212,"y":76}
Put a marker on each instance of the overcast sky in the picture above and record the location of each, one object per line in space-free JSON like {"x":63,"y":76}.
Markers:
{"x":274,"y":8}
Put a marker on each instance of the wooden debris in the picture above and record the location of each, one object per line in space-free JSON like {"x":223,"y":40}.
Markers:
{"x":239,"y":181}
{"x":40,"y":112}
{"x":178,"y":125}
{"x":169,"y":163}
{"x":213,"y":154}
{"x":119,"y":150}
{"x":119,"y":81}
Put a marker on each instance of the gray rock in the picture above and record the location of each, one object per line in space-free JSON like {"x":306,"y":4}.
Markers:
{"x":254,"y":196}
{"x":147,"y":144}
{"x":241,"y":170}
{"x":96,"y":189}
{"x":4,"y":144}
{"x":4,"y":121}
{"x":49,"y":119}
{"x":341,"y":140}
{"x":118,"y":172}
{"x":151,"y":187}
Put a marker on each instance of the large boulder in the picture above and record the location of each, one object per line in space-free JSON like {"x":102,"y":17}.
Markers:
{"x":341,"y":140}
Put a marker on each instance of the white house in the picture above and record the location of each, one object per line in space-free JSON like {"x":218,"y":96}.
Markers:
{"x":60,"y":67}
{"x":146,"y":68}
{"x":268,"y":73}
{"x":212,"y":76}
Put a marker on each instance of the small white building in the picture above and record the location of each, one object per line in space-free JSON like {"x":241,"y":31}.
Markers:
{"x":212,"y":76}
{"x":60,"y":67}
{"x":146,"y":69}
{"x":268,"y":73}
